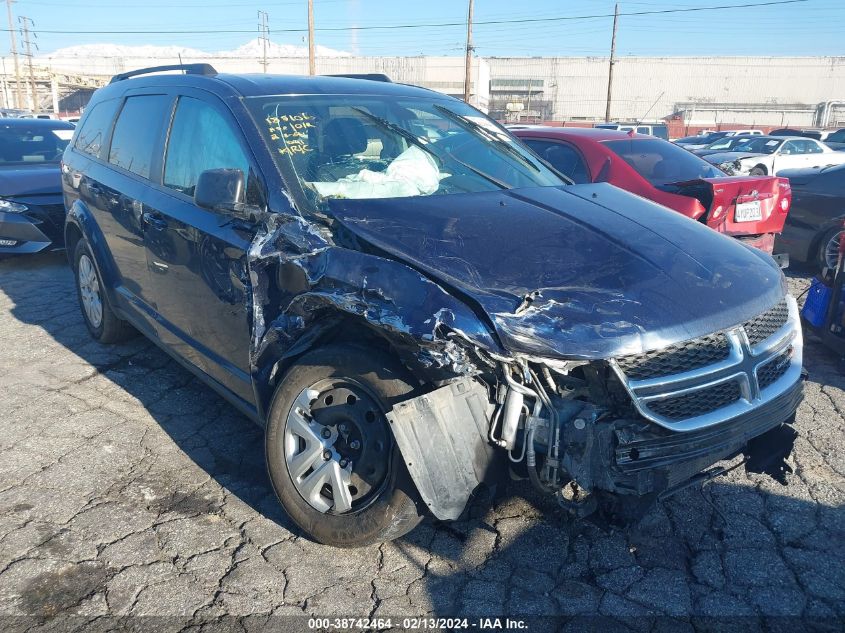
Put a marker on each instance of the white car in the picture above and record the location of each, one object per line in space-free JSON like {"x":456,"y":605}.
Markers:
{"x":700,"y":141}
{"x":768,"y":155}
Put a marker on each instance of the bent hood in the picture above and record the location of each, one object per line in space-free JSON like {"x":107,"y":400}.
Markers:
{"x":587,"y":271}
{"x":30,"y":181}
{"x":724,"y":157}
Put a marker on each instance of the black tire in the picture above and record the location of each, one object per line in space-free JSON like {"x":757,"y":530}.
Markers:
{"x":758,"y":171}
{"x":394,"y":507}
{"x":821,"y":249}
{"x":110,"y":329}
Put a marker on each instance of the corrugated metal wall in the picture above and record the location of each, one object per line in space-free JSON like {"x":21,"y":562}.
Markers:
{"x":782,"y":89}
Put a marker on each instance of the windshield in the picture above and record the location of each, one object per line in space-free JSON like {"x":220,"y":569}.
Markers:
{"x":728,"y":142}
{"x":35,"y":144}
{"x":757,"y":145}
{"x":662,"y":163}
{"x":362,"y":146}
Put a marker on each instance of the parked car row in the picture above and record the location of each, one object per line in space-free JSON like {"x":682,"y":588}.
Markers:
{"x":700,"y":141}
{"x":413,"y":303}
{"x":762,"y":155}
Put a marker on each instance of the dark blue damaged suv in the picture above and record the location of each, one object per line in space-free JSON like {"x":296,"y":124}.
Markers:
{"x":412,"y":303}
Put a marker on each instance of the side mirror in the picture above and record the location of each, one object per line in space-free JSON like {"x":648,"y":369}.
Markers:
{"x":220,"y":190}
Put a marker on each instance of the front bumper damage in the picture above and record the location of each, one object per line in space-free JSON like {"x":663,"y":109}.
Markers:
{"x":565,"y":424}
{"x":580,"y":448}
{"x":449,"y":461}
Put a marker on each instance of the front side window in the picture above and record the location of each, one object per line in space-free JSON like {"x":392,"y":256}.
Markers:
{"x":200,"y":139}
{"x":137,"y":132}
{"x":562,"y":157}
{"x":32,"y":143}
{"x":662,"y":163}
{"x":96,"y":126}
{"x":793,"y":147}
{"x":362,"y":146}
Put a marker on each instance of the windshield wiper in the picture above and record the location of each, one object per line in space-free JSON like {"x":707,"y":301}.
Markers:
{"x":415,"y":140}
{"x":472,"y":126}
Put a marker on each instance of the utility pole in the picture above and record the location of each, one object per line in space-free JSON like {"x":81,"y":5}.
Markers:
{"x":26,"y":24}
{"x":468,"y":67}
{"x":612,"y":62}
{"x":18,"y":95}
{"x":312,"y":66}
{"x":264,"y":29}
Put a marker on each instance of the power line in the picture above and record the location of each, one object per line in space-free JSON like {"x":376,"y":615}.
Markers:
{"x":434,"y":25}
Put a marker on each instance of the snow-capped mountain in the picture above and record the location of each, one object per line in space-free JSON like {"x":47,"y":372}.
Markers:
{"x":251,"y":50}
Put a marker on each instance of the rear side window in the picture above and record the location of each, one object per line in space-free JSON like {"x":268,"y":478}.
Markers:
{"x":201,"y":139}
{"x":137,"y":131}
{"x":662,"y":163}
{"x":563,"y":158}
{"x":95,"y":128}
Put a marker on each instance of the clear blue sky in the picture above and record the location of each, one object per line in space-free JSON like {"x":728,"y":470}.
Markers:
{"x":814,"y":27}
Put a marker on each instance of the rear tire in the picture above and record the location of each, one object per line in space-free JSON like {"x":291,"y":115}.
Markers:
{"x":827,"y":252}
{"x":331,"y":457}
{"x":758,"y":171}
{"x":102,"y":323}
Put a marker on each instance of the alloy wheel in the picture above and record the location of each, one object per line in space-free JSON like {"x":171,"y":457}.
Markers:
{"x":89,"y":291}
{"x":831,"y":250}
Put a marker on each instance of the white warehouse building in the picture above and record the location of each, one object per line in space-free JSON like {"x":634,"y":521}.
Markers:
{"x":703,"y":91}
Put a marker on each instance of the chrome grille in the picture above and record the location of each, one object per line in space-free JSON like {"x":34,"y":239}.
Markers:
{"x":698,"y":402}
{"x":715,"y":378}
{"x":763,"y":326}
{"x":677,"y":358}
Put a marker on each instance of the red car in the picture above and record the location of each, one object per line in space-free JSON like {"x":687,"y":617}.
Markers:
{"x":750,"y":208}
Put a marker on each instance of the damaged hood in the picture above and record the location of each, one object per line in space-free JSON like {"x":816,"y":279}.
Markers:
{"x":586,"y":272}
{"x":718,"y":158}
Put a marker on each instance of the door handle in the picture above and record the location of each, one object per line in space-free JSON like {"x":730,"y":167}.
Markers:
{"x":154,"y":221}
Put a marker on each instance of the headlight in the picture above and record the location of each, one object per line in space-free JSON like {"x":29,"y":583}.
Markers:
{"x":11,"y":207}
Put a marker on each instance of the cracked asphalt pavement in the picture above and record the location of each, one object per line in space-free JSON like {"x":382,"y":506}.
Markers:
{"x":128,"y":488}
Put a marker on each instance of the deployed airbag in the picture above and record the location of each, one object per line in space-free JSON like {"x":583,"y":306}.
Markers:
{"x":412,"y":173}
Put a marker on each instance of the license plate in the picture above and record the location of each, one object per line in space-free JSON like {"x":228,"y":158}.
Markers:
{"x":748,"y":211}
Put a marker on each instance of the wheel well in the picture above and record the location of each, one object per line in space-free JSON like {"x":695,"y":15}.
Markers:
{"x":275,"y":363}
{"x":72,"y":237}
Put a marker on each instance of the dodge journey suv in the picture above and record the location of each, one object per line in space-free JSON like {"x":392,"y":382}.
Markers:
{"x":412,"y":304}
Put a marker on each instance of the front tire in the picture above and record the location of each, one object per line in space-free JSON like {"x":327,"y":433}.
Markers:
{"x":102,"y":323}
{"x":330,"y":453}
{"x":758,"y":171}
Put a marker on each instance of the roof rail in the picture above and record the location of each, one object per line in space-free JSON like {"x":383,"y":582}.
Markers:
{"x":189,"y":69}
{"x":368,"y":76}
